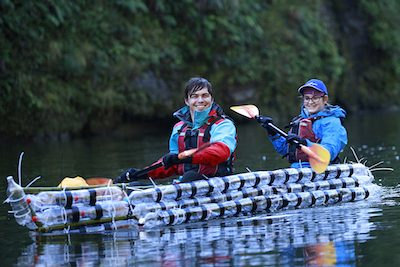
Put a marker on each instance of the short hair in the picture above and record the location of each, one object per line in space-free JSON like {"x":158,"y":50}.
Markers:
{"x":195,"y":84}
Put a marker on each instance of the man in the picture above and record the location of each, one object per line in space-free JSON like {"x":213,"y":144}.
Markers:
{"x":201,"y":121}
{"x":318,"y":122}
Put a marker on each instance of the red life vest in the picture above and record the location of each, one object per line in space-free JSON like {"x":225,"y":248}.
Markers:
{"x":303,"y":128}
{"x":189,"y":139}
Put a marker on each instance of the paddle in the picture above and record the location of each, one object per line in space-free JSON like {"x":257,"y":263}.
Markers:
{"x":318,"y":156}
{"x":182,"y":155}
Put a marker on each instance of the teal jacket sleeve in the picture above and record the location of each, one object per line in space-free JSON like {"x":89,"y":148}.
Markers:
{"x":224,"y":131}
{"x":173,"y":140}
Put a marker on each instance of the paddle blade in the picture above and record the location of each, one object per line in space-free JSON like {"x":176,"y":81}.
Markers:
{"x":249,"y":111}
{"x":98,"y":181}
{"x":318,"y":157}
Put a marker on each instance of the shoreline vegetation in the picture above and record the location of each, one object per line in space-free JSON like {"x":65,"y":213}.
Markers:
{"x":81,"y":68}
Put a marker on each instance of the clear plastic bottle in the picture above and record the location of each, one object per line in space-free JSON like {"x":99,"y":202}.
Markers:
{"x":318,"y":198}
{"x":109,"y":209}
{"x":16,"y":197}
{"x":68,"y":198}
{"x":145,"y":196}
{"x":163,"y":218}
{"x":60,"y":215}
{"x":141,"y":209}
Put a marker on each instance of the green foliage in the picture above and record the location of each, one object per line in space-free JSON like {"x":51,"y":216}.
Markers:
{"x":381,"y":78}
{"x":70,"y":66}
{"x":299,"y":45}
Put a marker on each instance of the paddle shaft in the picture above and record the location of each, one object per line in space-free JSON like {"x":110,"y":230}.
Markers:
{"x":282,"y":132}
{"x":253,"y":113}
{"x":277,"y":129}
{"x":150,"y":168}
{"x":182,"y":155}
{"x":304,"y":148}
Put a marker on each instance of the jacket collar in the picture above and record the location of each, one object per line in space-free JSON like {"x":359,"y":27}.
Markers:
{"x":200,"y":118}
{"x":328,"y":111}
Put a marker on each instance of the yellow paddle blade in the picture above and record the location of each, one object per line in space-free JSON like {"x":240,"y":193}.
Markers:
{"x":249,"y":111}
{"x":318,"y":157}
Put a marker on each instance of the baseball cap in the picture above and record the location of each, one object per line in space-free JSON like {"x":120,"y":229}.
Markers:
{"x":315,"y":84}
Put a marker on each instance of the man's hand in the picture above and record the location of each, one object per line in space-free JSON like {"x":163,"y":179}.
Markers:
{"x":172,"y":159}
{"x":129,"y":176}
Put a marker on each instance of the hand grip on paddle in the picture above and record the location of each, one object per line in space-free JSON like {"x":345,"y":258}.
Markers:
{"x":182,"y":155}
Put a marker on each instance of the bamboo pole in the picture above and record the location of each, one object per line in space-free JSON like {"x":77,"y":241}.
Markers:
{"x":36,"y":190}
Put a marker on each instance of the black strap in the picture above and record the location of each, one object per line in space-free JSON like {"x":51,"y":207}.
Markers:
{"x":221,"y":209}
{"x":68,"y":200}
{"x":93,"y":194}
{"x":178,"y":191}
{"x":258,"y":180}
{"x":269,"y":202}
{"x":171,"y":217}
{"x":238,"y":207}
{"x":188,"y":214}
{"x":204,"y":213}
{"x":272,"y":176}
{"x":99,"y":212}
{"x":75,"y":214}
{"x":159,"y":194}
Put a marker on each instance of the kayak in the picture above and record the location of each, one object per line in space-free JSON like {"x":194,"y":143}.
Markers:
{"x":114,"y":206}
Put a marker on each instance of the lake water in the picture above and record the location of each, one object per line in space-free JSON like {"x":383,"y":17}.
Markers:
{"x":364,"y":233}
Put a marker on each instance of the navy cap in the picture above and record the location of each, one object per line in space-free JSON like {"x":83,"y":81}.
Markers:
{"x":315,"y":84}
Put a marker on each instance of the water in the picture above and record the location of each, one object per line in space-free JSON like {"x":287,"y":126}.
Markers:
{"x":364,"y":233}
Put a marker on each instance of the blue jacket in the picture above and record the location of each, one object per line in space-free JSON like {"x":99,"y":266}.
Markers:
{"x":329,"y":129}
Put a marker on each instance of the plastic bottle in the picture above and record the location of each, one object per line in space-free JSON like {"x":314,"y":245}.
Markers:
{"x":17,"y":199}
{"x":141,"y":209}
{"x":60,"y":215}
{"x":68,"y":198}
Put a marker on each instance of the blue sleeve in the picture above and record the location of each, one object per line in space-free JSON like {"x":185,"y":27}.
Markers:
{"x":225,"y":132}
{"x":279,"y":143}
{"x":332,"y":133}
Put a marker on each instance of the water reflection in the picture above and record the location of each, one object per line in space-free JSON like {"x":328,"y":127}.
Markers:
{"x":322,"y":236}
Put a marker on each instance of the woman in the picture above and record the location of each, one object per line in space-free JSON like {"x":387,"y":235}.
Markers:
{"x":319,"y":122}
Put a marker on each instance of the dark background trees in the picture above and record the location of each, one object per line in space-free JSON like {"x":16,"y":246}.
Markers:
{"x":74,"y":67}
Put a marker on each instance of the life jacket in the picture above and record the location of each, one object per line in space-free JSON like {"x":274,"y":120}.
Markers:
{"x":303,"y":128}
{"x":189,"y":139}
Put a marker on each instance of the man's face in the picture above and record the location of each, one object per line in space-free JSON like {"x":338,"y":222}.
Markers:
{"x":199,"y":100}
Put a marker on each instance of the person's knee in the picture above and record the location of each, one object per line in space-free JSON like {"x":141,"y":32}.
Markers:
{"x":191,"y":176}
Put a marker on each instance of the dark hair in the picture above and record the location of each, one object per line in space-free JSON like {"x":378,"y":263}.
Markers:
{"x":195,"y":84}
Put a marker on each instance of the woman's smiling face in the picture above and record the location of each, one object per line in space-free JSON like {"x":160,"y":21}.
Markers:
{"x":314,"y":102}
